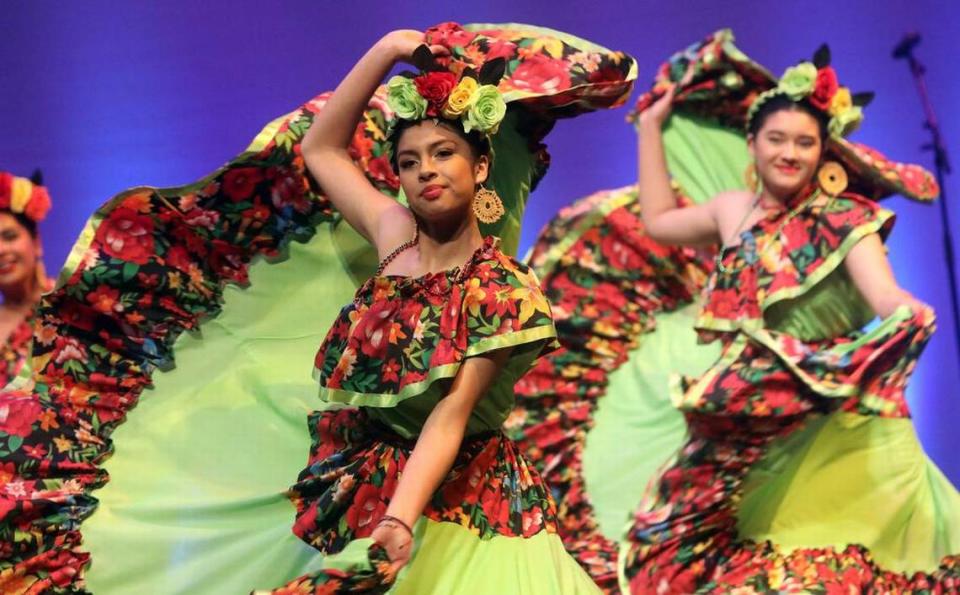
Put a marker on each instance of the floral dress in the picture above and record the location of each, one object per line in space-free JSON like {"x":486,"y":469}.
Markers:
{"x":171,"y":365}
{"x":388,"y":360}
{"x":801,"y":471}
{"x":612,"y":426}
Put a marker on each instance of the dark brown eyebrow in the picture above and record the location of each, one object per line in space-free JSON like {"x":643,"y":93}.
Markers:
{"x":432,"y":146}
{"x":777,"y":131}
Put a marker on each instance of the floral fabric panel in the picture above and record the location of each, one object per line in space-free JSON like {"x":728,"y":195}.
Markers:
{"x":606,"y":280}
{"x":355,"y":465}
{"x":352,"y":474}
{"x":151,"y":263}
{"x":372,"y":576}
{"x":548,"y":71}
{"x":684,"y":536}
{"x":403,"y":332}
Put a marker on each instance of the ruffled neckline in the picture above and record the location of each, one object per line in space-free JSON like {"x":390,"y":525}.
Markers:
{"x":802,"y":202}
{"x":433,"y":282}
{"x":799,"y":251}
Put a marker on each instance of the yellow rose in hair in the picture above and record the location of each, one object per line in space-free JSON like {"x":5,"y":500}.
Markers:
{"x":846,"y":121}
{"x":460,"y":97}
{"x":841,"y":102}
{"x":20,"y":190}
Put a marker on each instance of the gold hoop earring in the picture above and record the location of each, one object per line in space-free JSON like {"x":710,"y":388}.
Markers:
{"x":40,"y":272}
{"x":832,"y":178}
{"x":487,"y":205}
{"x":750,"y":177}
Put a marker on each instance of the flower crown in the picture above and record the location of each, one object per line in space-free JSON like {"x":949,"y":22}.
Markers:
{"x":24,"y":196}
{"x":816,"y":82}
{"x":473,"y":98}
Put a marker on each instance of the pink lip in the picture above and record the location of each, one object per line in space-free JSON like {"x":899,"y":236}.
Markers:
{"x":431,"y":192}
{"x":788,"y":169}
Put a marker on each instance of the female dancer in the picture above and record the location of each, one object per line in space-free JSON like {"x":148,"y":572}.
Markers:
{"x":423,"y":352}
{"x":794,"y":464}
{"x":205,"y":459}
{"x":801,"y":269}
{"x":23,"y":204}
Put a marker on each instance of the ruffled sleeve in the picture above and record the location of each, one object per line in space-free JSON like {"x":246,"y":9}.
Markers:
{"x":403,"y":334}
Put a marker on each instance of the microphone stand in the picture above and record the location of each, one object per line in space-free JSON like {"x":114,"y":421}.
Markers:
{"x":941,"y":164}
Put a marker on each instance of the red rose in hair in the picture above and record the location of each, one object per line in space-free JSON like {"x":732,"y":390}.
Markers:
{"x":449,"y":35}
{"x":239,"y":183}
{"x":824,"y":88}
{"x":541,"y":74}
{"x":435,"y":87}
{"x":38,"y":205}
{"x":6,"y":188}
{"x":127,"y":235}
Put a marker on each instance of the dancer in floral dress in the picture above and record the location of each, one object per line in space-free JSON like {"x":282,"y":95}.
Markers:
{"x":24,"y":203}
{"x":163,"y":476}
{"x":787,"y":460}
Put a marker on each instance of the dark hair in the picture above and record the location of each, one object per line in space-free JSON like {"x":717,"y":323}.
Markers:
{"x":26,"y":222}
{"x":479,"y":144}
{"x":782,"y":102}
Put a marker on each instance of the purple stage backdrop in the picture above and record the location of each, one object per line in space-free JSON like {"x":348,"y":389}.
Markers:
{"x":108,"y":95}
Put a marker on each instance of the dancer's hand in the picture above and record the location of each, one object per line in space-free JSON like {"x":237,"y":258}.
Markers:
{"x":656,"y":114}
{"x":402,"y":42}
{"x":397,"y":540}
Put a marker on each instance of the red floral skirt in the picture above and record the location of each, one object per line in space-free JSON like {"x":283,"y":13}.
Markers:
{"x":684,"y":539}
{"x":354,"y":466}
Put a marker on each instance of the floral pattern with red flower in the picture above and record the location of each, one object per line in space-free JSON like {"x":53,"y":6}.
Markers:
{"x":397,"y":334}
{"x":127,"y":235}
{"x":418,"y":325}
{"x":346,"y":488}
{"x":788,"y":251}
{"x":765,"y":386}
{"x":606,"y":280}
{"x":544,"y":70}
